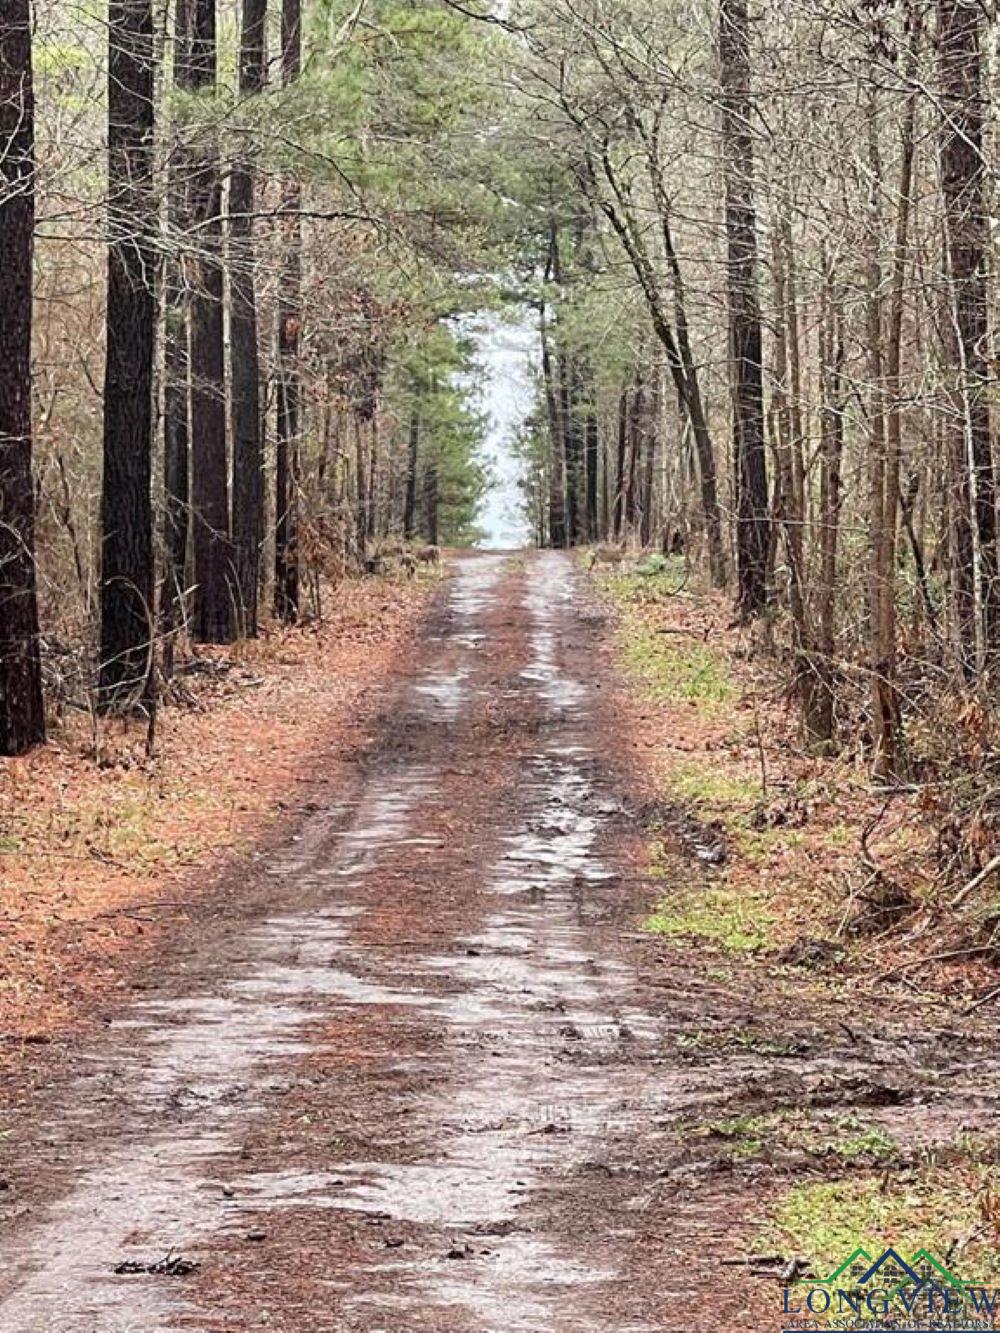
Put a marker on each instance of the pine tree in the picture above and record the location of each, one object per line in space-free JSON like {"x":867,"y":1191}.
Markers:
{"x":286,"y":559}
{"x":248,"y":460}
{"x":213,"y":619}
{"x":126,"y":505}
{"x":22,"y":712}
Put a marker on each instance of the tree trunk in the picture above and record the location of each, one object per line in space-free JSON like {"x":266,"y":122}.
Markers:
{"x":286,"y":556}
{"x":361,"y":507}
{"x":557,"y":488}
{"x":431,"y":501}
{"x":126,"y":503}
{"x":962,"y":172}
{"x":694,"y":409}
{"x":680,"y":361}
{"x":22,"y":710}
{"x":620,"y":460}
{"x":746,"y":373}
{"x":651,"y":436}
{"x":177,"y":366}
{"x":248,"y":449}
{"x":572,"y":444}
{"x":412,"y":461}
{"x":638,"y":425}
{"x":214,"y":573}
{"x":885,"y":495}
{"x":819,"y":702}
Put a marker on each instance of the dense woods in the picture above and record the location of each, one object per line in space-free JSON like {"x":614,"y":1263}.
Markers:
{"x":763,"y":239}
{"x":247,"y":290}
{"x":754,"y":243}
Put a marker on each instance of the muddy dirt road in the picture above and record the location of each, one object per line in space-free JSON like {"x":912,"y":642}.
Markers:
{"x":421,"y":1073}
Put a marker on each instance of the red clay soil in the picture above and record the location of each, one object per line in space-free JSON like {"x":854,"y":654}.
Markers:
{"x":419,"y":1069}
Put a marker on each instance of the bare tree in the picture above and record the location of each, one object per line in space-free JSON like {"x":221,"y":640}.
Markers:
{"x":745,"y":335}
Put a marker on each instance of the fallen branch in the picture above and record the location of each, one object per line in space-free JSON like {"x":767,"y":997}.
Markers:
{"x":986,"y":999}
{"x":940,"y":958}
{"x":988,"y":869}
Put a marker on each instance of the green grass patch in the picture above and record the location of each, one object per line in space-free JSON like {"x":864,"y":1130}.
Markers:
{"x":912,"y":1210}
{"x":671,"y":669}
{"x":701,"y":784}
{"x":667,"y":666}
{"x":736,"y":922}
{"x":844,"y":1137}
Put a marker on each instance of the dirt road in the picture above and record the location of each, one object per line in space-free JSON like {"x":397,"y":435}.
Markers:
{"x":421,"y":1073}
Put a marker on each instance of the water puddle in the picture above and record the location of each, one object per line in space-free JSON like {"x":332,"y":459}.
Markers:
{"x":188,"y":1073}
{"x":537,"y":1024}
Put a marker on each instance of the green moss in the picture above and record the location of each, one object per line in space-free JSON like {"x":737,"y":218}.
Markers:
{"x":653,"y":580}
{"x":739,"y":923}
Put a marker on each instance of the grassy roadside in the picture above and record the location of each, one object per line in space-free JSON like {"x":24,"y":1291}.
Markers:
{"x":820,"y":871}
{"x":101,"y":847}
{"x":825,"y":889}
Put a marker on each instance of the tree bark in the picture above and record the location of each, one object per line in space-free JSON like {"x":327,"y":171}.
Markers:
{"x":214,"y":566}
{"x":22,"y":710}
{"x":620,"y":461}
{"x":248,"y":448}
{"x":177,"y":366}
{"x":572,"y":442}
{"x":819,"y":702}
{"x":557,"y":488}
{"x":966,"y":227}
{"x":885,"y":493}
{"x":745,"y":350}
{"x":126,"y":503}
{"x":412,"y":461}
{"x":286,"y":557}
{"x":431,"y":499}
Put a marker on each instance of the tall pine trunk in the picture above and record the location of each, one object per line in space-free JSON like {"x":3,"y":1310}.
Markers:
{"x":966,"y":229}
{"x":745,"y":339}
{"x":177,"y":367}
{"x":22,"y":711}
{"x":248,"y":451}
{"x":886,"y":493}
{"x":126,"y":503}
{"x":214,"y":593}
{"x":286,"y":559}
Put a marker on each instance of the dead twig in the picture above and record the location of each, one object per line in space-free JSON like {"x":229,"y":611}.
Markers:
{"x":984,"y":1000}
{"x":942,"y":957}
{"x":988,"y":869}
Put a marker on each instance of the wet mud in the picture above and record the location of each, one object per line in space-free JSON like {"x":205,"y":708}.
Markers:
{"x":435,"y":1079}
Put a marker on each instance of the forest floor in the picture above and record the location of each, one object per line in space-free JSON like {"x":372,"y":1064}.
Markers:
{"x":540,"y":1002}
